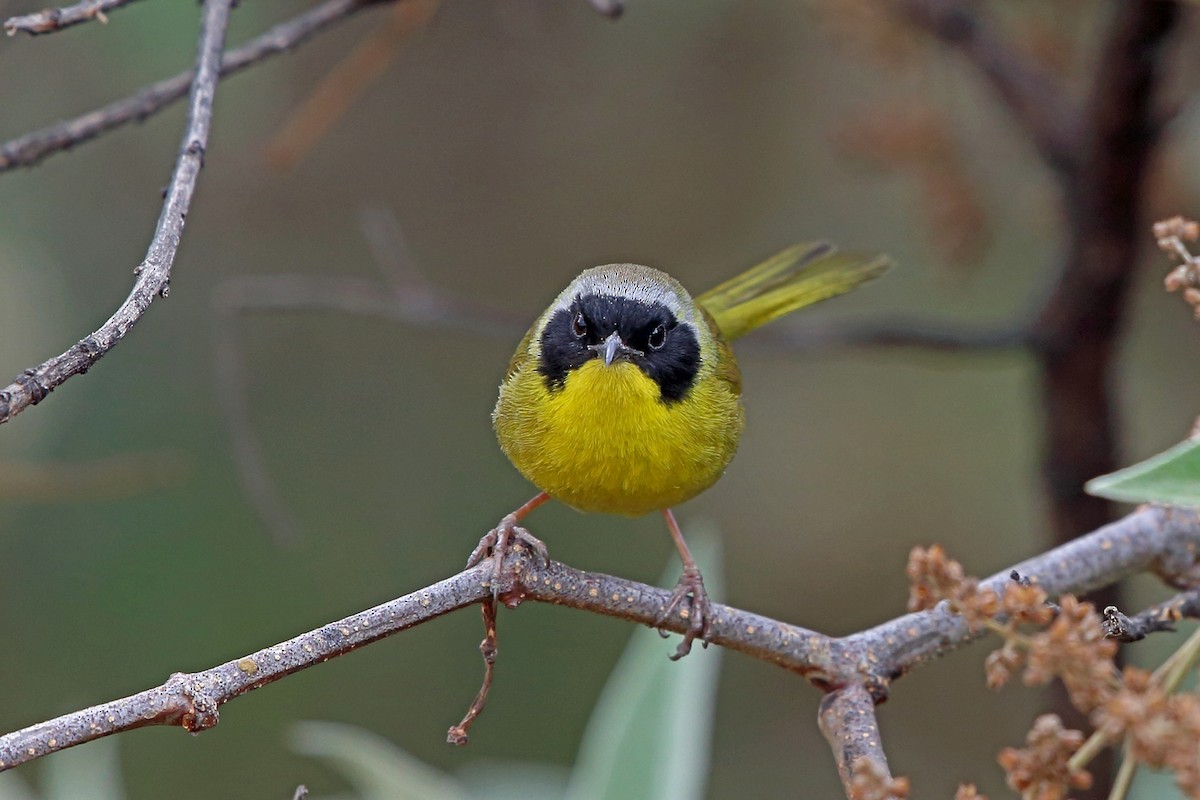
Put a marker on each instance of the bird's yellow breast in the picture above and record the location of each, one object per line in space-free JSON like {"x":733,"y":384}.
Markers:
{"x":606,"y":441}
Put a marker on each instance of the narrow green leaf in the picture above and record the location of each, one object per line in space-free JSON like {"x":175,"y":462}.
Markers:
{"x":13,"y":787}
{"x":92,"y":771}
{"x":377,"y":768}
{"x":650,"y":733}
{"x":1171,"y":478}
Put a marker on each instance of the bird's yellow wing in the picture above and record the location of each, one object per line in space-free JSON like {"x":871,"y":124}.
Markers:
{"x":803,"y":274}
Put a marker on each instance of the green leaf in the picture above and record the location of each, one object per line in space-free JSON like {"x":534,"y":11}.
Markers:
{"x":377,"y":768}
{"x":1171,"y":478}
{"x":650,"y":732}
{"x":92,"y":770}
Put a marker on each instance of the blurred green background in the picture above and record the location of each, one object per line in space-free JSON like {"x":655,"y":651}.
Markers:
{"x":517,"y":143}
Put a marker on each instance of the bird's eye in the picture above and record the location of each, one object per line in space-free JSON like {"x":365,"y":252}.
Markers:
{"x":658,"y":337}
{"x":579,"y":325}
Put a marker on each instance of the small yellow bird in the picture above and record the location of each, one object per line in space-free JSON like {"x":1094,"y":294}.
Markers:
{"x":625,"y":398}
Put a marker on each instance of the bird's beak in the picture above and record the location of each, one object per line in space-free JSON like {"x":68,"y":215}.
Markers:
{"x":613,"y":348}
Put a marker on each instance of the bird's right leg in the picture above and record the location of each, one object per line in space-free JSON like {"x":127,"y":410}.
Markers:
{"x":500,"y":541}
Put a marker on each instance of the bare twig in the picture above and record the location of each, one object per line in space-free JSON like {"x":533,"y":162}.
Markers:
{"x":315,"y":293}
{"x":847,"y":719}
{"x":1032,"y":95}
{"x":154,"y":273}
{"x":55,"y":19}
{"x":1161,"y":617}
{"x":457,"y":734}
{"x":409,"y":302}
{"x":192,"y":700}
{"x":911,"y":333}
{"x":869,"y":660}
{"x":31,"y":148}
{"x":1145,"y":540}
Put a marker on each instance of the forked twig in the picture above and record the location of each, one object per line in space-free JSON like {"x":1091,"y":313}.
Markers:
{"x":154,"y":273}
{"x":27,"y":150}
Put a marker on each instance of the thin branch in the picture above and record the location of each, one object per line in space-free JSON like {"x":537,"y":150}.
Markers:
{"x":409,"y":305}
{"x":847,"y":719}
{"x":255,"y":479}
{"x":192,"y":700}
{"x":1143,"y":541}
{"x":55,"y":19}
{"x":910,"y":333}
{"x":411,"y":301}
{"x":1161,"y":617}
{"x":31,"y":148}
{"x":1033,"y":96}
{"x":867,"y":660}
{"x":154,"y":273}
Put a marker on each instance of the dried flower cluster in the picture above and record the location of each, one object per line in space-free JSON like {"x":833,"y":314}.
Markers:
{"x":1040,"y":771}
{"x":1161,"y":728}
{"x":1171,"y":235}
{"x":1074,"y":649}
{"x":871,"y":781}
{"x":934,"y":577}
{"x":1069,"y":642}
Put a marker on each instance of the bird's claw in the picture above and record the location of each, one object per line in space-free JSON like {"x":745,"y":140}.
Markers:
{"x":697,"y":611}
{"x":502,"y":540}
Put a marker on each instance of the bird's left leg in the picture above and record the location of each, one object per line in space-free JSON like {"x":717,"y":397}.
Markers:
{"x":500,"y":540}
{"x":690,"y":587}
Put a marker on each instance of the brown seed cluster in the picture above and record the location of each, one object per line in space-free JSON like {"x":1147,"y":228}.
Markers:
{"x":1074,"y":649}
{"x":967,"y":791}
{"x":934,"y":577}
{"x":1161,"y":728}
{"x":1040,"y":771}
{"x":871,"y":781}
{"x":1171,"y":235}
{"x":1042,"y":642}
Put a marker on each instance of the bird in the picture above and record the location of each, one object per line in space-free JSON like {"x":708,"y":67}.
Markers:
{"x":624,"y":397}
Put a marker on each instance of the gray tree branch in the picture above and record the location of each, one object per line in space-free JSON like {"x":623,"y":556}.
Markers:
{"x":31,"y":148}
{"x":858,"y":669}
{"x":55,"y":19}
{"x":154,"y":273}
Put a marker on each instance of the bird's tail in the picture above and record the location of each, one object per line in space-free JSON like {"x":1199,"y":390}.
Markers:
{"x":803,"y":274}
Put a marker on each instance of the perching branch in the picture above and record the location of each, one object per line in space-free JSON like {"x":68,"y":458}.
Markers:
{"x":854,"y":667}
{"x":154,"y":273}
{"x":55,"y":19}
{"x":31,"y":148}
{"x":192,"y":700}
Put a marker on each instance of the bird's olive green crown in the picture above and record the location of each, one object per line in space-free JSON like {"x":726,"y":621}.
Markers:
{"x":623,"y":312}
